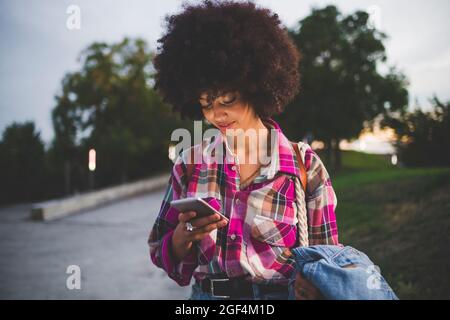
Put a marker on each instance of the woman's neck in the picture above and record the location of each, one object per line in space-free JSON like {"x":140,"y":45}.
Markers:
{"x":252,"y":142}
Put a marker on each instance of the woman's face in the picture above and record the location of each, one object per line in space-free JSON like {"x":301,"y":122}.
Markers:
{"x":228,"y":111}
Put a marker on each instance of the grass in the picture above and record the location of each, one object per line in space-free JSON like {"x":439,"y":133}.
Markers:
{"x":400,"y":217}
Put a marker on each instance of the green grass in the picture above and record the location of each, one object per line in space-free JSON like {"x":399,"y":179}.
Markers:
{"x":363,"y":161}
{"x":401,"y":218}
{"x":354,"y":161}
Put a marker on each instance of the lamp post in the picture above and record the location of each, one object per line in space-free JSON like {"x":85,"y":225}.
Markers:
{"x":92,"y":164}
{"x":394,"y":159}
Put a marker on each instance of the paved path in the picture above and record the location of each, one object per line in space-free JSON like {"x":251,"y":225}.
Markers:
{"x":109,"y":244}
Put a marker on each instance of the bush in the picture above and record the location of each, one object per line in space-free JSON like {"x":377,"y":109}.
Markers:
{"x":424,"y":137}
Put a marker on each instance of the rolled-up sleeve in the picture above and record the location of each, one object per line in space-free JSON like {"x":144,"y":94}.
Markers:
{"x":160,"y":238}
{"x":321,"y":202}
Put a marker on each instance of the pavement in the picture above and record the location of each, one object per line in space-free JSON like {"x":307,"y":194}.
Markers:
{"x":109,"y":244}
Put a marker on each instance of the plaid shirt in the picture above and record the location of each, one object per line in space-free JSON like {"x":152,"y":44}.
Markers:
{"x":263,"y":215}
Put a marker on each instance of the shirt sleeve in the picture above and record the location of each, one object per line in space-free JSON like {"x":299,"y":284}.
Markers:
{"x":321,"y":202}
{"x":160,"y":238}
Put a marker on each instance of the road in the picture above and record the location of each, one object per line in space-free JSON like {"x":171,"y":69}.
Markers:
{"x":109,"y":244}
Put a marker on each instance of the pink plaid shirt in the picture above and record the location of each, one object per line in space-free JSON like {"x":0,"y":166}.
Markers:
{"x":263,"y":216}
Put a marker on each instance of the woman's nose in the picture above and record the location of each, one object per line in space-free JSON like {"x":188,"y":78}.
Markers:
{"x":219,"y":113}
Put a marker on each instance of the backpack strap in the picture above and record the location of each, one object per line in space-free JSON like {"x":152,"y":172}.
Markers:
{"x":300,"y":194}
{"x":303,"y":177}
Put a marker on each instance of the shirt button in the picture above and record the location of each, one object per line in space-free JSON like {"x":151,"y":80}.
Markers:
{"x":237,"y":201}
{"x":233,"y":237}
{"x":233,"y":168}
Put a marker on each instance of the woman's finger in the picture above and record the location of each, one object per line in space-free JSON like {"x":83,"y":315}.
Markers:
{"x":200,"y":233}
{"x":300,"y":291}
{"x":186,"y":216}
{"x":305,"y":290}
{"x":210,"y":227}
{"x":204,"y":221}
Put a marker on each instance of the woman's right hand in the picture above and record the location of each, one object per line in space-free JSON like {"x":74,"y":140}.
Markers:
{"x":182,"y":239}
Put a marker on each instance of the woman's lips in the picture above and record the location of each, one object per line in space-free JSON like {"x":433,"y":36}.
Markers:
{"x":225,"y":126}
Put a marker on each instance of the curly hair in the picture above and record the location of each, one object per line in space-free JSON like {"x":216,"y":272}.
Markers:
{"x":226,"y":46}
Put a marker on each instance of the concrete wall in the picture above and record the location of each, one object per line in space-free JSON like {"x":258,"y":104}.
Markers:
{"x":54,"y":209}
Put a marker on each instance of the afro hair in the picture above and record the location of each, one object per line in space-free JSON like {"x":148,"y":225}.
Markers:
{"x":217,"y":47}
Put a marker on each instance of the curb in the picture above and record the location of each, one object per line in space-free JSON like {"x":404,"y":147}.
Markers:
{"x":55,"y":209}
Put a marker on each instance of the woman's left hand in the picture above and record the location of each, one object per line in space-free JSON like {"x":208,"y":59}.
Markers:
{"x":305,"y":290}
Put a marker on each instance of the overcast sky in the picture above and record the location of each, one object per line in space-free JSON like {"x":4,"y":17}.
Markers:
{"x":37,"y":48}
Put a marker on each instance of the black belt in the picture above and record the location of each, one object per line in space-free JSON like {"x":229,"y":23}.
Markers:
{"x":236,"y":288}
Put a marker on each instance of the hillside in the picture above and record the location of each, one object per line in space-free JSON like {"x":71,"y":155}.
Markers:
{"x":400,"y":218}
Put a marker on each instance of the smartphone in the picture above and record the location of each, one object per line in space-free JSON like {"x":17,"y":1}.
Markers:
{"x":198,"y":205}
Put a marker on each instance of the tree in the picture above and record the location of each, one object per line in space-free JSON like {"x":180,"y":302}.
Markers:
{"x":342,"y":91}
{"x":22,"y":164}
{"x":110,"y":105}
{"x":423,"y":138}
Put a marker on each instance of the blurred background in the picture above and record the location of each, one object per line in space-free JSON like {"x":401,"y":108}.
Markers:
{"x":78,"y":114}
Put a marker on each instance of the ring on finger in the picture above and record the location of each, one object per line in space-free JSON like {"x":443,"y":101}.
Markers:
{"x":189,"y":227}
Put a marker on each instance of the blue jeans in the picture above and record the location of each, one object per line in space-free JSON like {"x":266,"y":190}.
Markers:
{"x":340,"y":273}
{"x":198,"y":294}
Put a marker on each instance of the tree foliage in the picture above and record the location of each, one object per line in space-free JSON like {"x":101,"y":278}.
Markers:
{"x":423,"y":137}
{"x":342,"y":91}
{"x":22,"y":163}
{"x":110,"y":105}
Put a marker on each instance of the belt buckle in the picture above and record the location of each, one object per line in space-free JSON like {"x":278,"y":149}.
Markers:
{"x":212,"y":287}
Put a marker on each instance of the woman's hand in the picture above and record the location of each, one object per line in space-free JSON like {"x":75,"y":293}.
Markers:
{"x":305,"y":290}
{"x":182,"y":239}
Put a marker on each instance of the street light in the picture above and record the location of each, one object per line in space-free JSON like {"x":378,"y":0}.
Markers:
{"x":91,"y":165}
{"x":172,"y":153}
{"x":394,"y":159}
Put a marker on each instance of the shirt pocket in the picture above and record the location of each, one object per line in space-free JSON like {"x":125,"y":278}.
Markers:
{"x":275,"y":201}
{"x":273,"y":232}
{"x":349,"y":257}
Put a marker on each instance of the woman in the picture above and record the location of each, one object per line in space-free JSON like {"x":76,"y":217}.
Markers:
{"x":233,"y":65}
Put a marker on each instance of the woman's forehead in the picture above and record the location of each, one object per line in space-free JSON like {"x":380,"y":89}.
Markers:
{"x":209,"y":95}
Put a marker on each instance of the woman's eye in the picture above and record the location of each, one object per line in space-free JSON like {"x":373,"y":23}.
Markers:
{"x":225,"y":100}
{"x":229,"y":100}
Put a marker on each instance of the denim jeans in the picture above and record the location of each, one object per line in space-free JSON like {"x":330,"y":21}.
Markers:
{"x":198,"y":294}
{"x":340,"y":273}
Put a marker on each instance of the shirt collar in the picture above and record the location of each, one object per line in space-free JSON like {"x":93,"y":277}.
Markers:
{"x":282,"y":158}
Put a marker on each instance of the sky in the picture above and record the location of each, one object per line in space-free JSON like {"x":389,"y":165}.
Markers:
{"x":37,"y":48}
